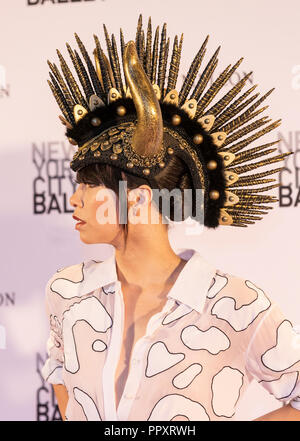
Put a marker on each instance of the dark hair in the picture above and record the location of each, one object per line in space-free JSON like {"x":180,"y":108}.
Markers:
{"x":174,"y":175}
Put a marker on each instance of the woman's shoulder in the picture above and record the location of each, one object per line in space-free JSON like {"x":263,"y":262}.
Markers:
{"x":237,"y":299}
{"x":73,"y":280}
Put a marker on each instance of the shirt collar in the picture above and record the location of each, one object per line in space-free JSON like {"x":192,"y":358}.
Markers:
{"x":190,"y":287}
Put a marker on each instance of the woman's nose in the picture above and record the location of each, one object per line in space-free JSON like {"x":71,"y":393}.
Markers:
{"x":75,"y":200}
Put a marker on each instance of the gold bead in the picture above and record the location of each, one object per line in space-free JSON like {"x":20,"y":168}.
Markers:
{"x":224,"y":219}
{"x":161,"y":164}
{"x":170,"y":151}
{"x":214,"y":194}
{"x":121,"y":110}
{"x":113,"y":156}
{"x":81,"y":157}
{"x":97,"y":153}
{"x":212,"y":165}
{"x":147,"y":163}
{"x":129,"y":164}
{"x":84,"y":150}
{"x":96,"y":121}
{"x":173,"y":96}
{"x":198,"y":139}
{"x":226,"y":157}
{"x":176,"y":120}
{"x":231,"y":198}
{"x":146,"y":171}
{"x":72,"y":141}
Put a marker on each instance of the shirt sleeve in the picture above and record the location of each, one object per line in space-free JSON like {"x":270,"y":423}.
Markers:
{"x":273,"y":356}
{"x":53,"y":368}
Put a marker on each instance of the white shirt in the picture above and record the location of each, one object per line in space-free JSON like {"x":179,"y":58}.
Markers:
{"x":214,"y":335}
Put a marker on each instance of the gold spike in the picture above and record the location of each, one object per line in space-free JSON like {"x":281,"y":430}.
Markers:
{"x":254,"y":156}
{"x":104,"y":65}
{"x":206,"y":121}
{"x":117,"y":73}
{"x":190,"y":108}
{"x":218,"y":138}
{"x":148,"y":54}
{"x":97,"y":86}
{"x":65,"y":122}
{"x":81,"y":72}
{"x":79,"y":112}
{"x":148,"y":136}
{"x":62,"y":85}
{"x":247,"y":129}
{"x":240,"y":145}
{"x":220,"y":105}
{"x":225,"y":218}
{"x":263,"y":174}
{"x":216,"y":86}
{"x":171,"y":97}
{"x":77,"y":95}
{"x":236,"y":107}
{"x":59,"y":101}
{"x":258,"y":190}
{"x":252,"y":182}
{"x":249,"y":167}
{"x":128,"y":93}
{"x":174,"y":67}
{"x":241,"y":120}
{"x":98,"y":69}
{"x":122,"y":42}
{"x":252,"y":206}
{"x":162,"y":58}
{"x":230,"y":177}
{"x":155,"y":56}
{"x":205,"y":76}
{"x":249,"y":152}
{"x":228,"y":158}
{"x":138,"y":32}
{"x":192,"y":74}
{"x":112,"y":68}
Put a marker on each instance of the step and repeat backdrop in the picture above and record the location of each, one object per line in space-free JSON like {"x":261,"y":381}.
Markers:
{"x":37,"y":230}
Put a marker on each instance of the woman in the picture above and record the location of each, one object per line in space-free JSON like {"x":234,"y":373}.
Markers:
{"x":149,"y":334}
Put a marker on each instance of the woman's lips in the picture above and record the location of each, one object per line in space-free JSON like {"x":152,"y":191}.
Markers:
{"x":80,"y":222}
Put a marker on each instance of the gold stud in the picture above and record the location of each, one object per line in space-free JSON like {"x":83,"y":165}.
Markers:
{"x":94,"y":146}
{"x":226,"y":157}
{"x":146,"y":171}
{"x":176,"y":120}
{"x":72,"y":141}
{"x":113,"y":156}
{"x":231,"y":198}
{"x":129,"y":164}
{"x":224,"y":219}
{"x":117,"y":148}
{"x":212,"y":165}
{"x":198,"y":139}
{"x":170,"y":151}
{"x":161,"y":164}
{"x":81,"y":157}
{"x":96,"y":121}
{"x":214,"y":194}
{"x":172,"y":96}
{"x":121,"y":110}
{"x":97,"y":153}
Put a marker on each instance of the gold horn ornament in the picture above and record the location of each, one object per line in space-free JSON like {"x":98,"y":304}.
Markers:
{"x":148,"y":136}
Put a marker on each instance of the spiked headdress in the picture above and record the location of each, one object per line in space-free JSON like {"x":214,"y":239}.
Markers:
{"x":135,"y":119}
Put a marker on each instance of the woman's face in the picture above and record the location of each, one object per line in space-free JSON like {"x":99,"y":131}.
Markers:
{"x":95,"y":210}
